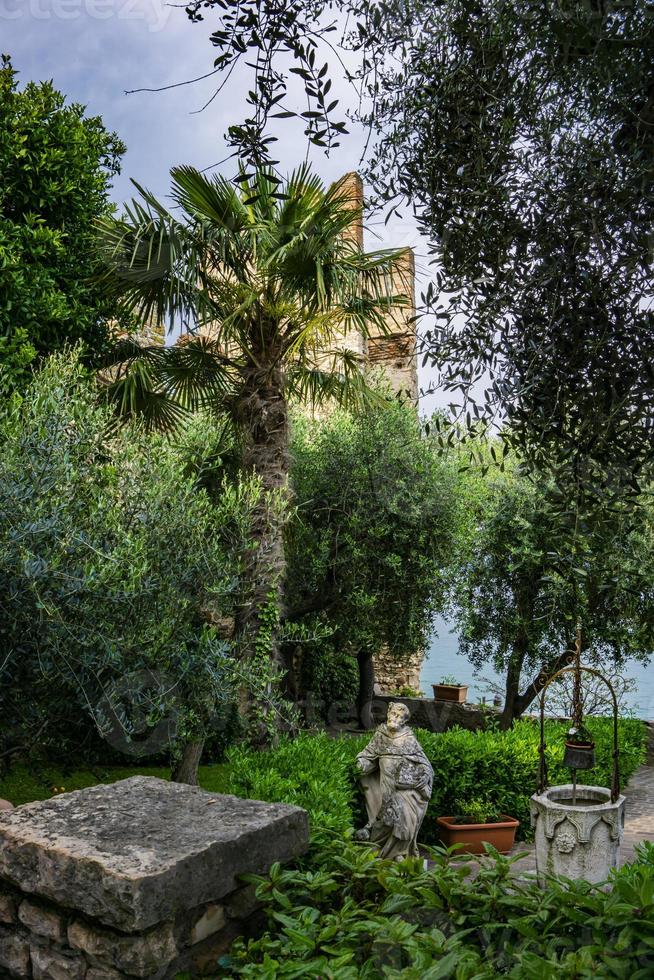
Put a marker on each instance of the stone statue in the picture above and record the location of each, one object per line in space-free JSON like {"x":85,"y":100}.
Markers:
{"x":396,"y":777}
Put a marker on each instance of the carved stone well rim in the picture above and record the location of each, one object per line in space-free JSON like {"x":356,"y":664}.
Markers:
{"x":599,"y":795}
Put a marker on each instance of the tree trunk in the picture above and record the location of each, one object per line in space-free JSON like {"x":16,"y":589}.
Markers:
{"x":263,"y":416}
{"x":186,"y":770}
{"x":512,"y":689}
{"x":523,"y":700}
{"x":366,"y":689}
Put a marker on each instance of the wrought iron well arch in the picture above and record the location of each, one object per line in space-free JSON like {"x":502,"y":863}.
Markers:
{"x":577,"y":668}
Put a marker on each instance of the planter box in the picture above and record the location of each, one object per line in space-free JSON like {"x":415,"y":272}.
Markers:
{"x":451,"y":692}
{"x":473,"y":836}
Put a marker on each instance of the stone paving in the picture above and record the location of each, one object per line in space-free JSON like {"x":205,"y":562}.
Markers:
{"x":639,"y":812}
{"x":638,"y":826}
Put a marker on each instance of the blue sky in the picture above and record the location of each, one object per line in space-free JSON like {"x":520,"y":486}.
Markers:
{"x":95,"y":50}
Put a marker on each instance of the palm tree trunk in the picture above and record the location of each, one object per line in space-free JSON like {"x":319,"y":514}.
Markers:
{"x":263,"y":416}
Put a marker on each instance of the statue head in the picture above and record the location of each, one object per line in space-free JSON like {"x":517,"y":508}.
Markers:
{"x":397,"y":716}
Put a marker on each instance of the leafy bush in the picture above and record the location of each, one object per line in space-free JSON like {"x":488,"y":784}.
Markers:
{"x":368,"y":542}
{"x":318,"y":773}
{"x":57,"y":165}
{"x":359,"y":918}
{"x":475,"y":809}
{"x":315,"y":772}
{"x":108,"y":554}
{"x":332,"y":675}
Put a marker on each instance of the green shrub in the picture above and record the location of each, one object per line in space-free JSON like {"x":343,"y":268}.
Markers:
{"x":109,"y":555}
{"x":332,"y":675}
{"x":318,"y":773}
{"x":359,"y":917}
{"x":315,"y":772}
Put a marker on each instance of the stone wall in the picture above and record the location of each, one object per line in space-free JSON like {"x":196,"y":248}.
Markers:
{"x":392,"y":674}
{"x":133,"y":880}
{"x":435,"y":716}
{"x":395,"y":351}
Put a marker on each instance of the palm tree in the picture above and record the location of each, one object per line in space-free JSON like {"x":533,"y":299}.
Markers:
{"x":267,"y":279}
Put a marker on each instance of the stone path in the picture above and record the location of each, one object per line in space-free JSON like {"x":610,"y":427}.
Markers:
{"x":639,"y":812}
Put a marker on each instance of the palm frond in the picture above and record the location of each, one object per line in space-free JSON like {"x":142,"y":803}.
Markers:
{"x":135,"y":392}
{"x":152,"y":261}
{"x":197,"y":373}
{"x":338,"y":378}
{"x":211,"y":199}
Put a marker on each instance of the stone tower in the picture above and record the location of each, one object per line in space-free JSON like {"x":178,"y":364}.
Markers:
{"x":394,"y":351}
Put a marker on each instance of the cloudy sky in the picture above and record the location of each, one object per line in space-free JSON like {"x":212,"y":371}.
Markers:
{"x":95,"y":50}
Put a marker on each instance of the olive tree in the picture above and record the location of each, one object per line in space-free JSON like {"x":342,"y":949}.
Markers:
{"x":109,"y":555}
{"x":514,"y":610}
{"x":369,"y":545}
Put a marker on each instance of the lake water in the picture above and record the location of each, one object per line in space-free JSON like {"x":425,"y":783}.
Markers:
{"x":442,"y":658}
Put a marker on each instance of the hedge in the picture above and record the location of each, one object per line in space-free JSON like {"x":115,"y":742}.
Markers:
{"x":318,"y":773}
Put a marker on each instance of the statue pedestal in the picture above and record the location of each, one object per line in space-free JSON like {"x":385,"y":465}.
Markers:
{"x":580,"y":841}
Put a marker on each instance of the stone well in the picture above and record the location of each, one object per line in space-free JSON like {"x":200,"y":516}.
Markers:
{"x":135,"y":879}
{"x":582,"y":841}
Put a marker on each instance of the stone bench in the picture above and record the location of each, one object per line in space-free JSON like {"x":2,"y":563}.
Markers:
{"x":134,"y":879}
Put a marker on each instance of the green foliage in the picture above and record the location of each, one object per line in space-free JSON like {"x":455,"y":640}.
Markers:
{"x":512,"y":608}
{"x":318,"y":773}
{"x":359,"y":918}
{"x":531,"y":184}
{"x":312,"y":771}
{"x":57,"y":165}
{"x":370,"y":538}
{"x":475,"y":809}
{"x":109,"y":554}
{"x":25,"y":784}
{"x":330,"y":673}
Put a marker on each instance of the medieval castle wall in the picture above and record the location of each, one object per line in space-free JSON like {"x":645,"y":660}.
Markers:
{"x":394,"y":349}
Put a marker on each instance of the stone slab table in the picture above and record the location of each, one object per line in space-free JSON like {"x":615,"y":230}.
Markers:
{"x":134,"y":879}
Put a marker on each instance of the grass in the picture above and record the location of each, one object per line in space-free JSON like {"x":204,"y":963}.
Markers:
{"x":24,"y":785}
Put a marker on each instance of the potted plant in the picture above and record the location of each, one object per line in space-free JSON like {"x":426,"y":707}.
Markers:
{"x":449,"y":689}
{"x":478,"y":823}
{"x":579,"y":749}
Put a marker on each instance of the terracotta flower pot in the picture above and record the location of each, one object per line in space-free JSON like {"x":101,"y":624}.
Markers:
{"x":474,"y":835}
{"x":451,"y":692}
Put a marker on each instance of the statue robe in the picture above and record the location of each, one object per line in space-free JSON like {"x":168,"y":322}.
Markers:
{"x":396,"y":778}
